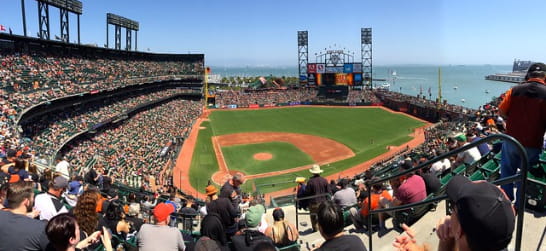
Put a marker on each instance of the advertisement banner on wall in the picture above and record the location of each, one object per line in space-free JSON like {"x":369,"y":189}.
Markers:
{"x":348,"y":68}
{"x":303,"y":78}
{"x":357,"y":67}
{"x":312,"y":79}
{"x":311,"y":68}
{"x":334,"y":69}
{"x":321,"y":68}
{"x":357,"y":78}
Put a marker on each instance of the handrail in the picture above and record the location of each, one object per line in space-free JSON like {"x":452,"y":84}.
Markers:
{"x":327,"y":195}
{"x":522,"y":176}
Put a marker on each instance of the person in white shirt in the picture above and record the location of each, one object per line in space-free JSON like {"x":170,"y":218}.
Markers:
{"x":62,"y":167}
{"x":440,"y":166}
{"x":51,"y":203}
{"x":469,"y":156}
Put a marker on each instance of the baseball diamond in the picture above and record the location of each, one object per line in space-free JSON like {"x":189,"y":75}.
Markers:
{"x":341,"y":139}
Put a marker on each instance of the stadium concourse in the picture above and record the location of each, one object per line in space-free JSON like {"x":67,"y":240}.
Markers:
{"x":116,"y":121}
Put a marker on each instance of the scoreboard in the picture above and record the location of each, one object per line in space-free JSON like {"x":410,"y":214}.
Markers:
{"x":328,"y":75}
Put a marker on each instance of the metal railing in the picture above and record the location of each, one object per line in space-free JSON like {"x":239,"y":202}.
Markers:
{"x":521,"y":176}
{"x":326,"y":195}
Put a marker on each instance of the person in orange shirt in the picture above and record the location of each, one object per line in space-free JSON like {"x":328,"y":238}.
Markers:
{"x":360,"y":217}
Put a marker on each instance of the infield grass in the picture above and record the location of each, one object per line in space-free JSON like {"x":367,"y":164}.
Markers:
{"x":366,"y":131}
{"x":285,"y":155}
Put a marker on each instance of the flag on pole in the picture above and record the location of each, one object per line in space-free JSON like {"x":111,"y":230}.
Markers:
{"x":2,"y":28}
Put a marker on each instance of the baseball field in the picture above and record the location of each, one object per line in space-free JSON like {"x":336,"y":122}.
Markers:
{"x":273,"y":146}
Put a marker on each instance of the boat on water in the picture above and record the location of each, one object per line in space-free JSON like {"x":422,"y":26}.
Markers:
{"x":384,"y":86}
{"x":486,"y":91}
{"x":463,"y":100}
{"x":455,"y":87}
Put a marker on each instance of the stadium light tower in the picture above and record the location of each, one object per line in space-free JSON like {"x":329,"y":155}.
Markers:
{"x":122,"y":22}
{"x":303,"y":56}
{"x":366,"y":52}
{"x":65,"y":7}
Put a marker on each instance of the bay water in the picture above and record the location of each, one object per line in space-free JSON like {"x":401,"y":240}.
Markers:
{"x":463,"y":85}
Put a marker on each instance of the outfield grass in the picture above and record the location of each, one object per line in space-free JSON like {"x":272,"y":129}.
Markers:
{"x":203,"y":163}
{"x":366,"y":131}
{"x":285,"y":155}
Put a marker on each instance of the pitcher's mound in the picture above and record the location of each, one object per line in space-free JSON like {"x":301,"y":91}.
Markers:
{"x":262,"y":156}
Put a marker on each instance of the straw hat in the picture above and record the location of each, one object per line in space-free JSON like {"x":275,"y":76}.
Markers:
{"x":315,"y":169}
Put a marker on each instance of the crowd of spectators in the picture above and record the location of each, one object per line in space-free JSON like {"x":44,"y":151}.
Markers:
{"x":28,"y":79}
{"x":362,"y":96}
{"x":270,"y":97}
{"x":23,"y":72}
{"x":51,"y":131}
{"x":245,"y":99}
{"x":133,"y":148}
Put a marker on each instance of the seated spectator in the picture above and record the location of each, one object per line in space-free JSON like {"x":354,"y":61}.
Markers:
{"x":432,"y":182}
{"x":482,"y":219}
{"x":89,"y":220}
{"x":346,"y":196}
{"x":115,"y":220}
{"x":23,"y":233}
{"x":249,"y":236}
{"x":469,"y":156}
{"x":63,"y":233}
{"x":133,"y":217}
{"x":378,"y":193}
{"x":331,"y":224}
{"x":407,"y":188}
{"x":160,"y":236}
{"x":51,"y":203}
{"x":440,"y":166}
{"x":282,"y":232}
{"x":188,"y":214}
{"x":213,"y":236}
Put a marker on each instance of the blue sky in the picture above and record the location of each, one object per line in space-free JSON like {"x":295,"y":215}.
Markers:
{"x":263,"y":33}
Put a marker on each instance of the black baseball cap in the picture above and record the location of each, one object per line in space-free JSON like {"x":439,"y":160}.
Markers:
{"x":484,"y":212}
{"x":536,"y":67}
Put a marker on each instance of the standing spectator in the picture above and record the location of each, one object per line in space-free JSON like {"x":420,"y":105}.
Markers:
{"x":316,"y":185}
{"x":300,"y":193}
{"x":52,"y":203}
{"x":62,"y":167}
{"x":23,"y":233}
{"x":432,"y":182}
{"x":346,"y":196}
{"x":282,"y":232}
{"x":222,"y":207}
{"x":331,"y":224}
{"x":233,"y":184}
{"x":160,"y":236}
{"x":524,"y":108}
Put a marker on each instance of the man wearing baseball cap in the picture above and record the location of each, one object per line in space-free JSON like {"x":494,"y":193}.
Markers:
{"x":160,"y":236}
{"x":525,"y":111}
{"x":482,"y":219}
